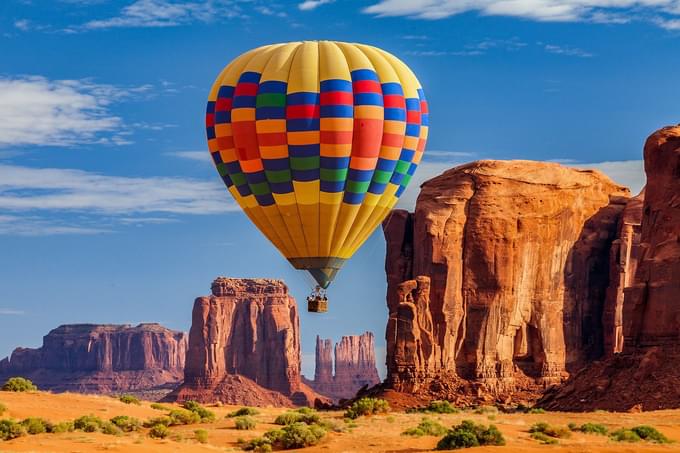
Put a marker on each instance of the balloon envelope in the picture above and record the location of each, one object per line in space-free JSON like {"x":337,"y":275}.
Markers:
{"x":316,"y":141}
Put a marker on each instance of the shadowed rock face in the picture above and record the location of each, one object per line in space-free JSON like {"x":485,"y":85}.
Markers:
{"x":247,"y":328}
{"x":95,"y":358}
{"x":354,"y":366}
{"x":499,"y":277}
{"x":645,"y":375}
{"x":623,"y":260}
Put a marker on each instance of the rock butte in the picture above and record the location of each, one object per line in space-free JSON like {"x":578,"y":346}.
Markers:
{"x":496,"y":283}
{"x":89,"y":358}
{"x":645,"y":375}
{"x":244,"y":347}
{"x":354,"y":366}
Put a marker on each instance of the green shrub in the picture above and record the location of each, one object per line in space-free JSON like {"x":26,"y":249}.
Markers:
{"x":437,"y":407}
{"x":573,"y":426}
{"x":427,"y":427}
{"x":470,"y":434}
{"x":9,"y":429}
{"x":543,"y":438}
{"x":163,"y":420}
{"x":296,"y":435}
{"x":243,"y":411}
{"x":593,"y":428}
{"x":129,"y":399}
{"x":456,"y":439}
{"x":204,"y":414}
{"x":160,"y":407}
{"x":650,"y":434}
{"x":3,"y":408}
{"x":88,"y":423}
{"x":19,"y":384}
{"x":110,"y":428}
{"x":244,"y":422}
{"x":624,"y":435}
{"x":299,"y":435}
{"x":259,"y":444}
{"x":309,"y":417}
{"x":201,"y":436}
{"x":63,"y":427}
{"x":536,"y":410}
{"x":367,"y":406}
{"x":183,"y":417}
{"x":126,"y":424}
{"x":558,"y":432}
{"x":159,"y":431}
{"x":36,"y":425}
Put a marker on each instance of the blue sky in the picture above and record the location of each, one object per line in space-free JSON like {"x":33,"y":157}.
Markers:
{"x":110,"y":211}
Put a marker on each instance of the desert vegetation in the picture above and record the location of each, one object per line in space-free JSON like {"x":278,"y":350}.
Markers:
{"x":37,"y":421}
{"x":18,"y":384}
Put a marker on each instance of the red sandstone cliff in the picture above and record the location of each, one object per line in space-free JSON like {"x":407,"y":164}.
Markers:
{"x":354,"y":366}
{"x":623,"y":259}
{"x":93,"y":358}
{"x":496,"y":283}
{"x":645,"y":375}
{"x":244,"y":346}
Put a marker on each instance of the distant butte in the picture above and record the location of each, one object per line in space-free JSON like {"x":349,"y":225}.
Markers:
{"x":244,"y":347}
{"x":354,"y":366}
{"x":103,"y":358}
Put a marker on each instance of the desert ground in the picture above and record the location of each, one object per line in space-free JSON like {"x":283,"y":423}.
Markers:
{"x":378,"y":433}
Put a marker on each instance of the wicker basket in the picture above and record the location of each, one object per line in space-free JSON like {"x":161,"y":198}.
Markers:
{"x":317,"y":305}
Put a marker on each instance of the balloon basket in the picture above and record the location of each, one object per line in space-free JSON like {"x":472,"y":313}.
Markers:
{"x":317,"y":302}
{"x":317,"y":305}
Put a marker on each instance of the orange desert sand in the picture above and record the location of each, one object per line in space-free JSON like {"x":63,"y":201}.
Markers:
{"x":381,"y":433}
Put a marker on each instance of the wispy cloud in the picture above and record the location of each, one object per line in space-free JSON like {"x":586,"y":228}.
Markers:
{"x":158,"y":13}
{"x":11,"y":312}
{"x":201,"y":156}
{"x":48,"y":201}
{"x":38,"y":111}
{"x":630,"y":173}
{"x":40,"y":189}
{"x":447,"y":155}
{"x":600,"y":11}
{"x":309,"y":5}
{"x":474,"y":49}
{"x":566,"y":50}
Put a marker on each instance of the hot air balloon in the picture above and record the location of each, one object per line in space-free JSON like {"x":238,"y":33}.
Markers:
{"x":316,"y":141}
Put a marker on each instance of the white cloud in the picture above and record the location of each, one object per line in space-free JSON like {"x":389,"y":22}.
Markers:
{"x":309,"y":5}
{"x":159,"y":13}
{"x":201,"y":156}
{"x":630,"y":173}
{"x":31,"y":225}
{"x":11,"y":312}
{"x":37,"y":111}
{"x":566,"y":50}
{"x":611,"y":11}
{"x":474,"y":49}
{"x":22,"y":24}
{"x":53,"y":189}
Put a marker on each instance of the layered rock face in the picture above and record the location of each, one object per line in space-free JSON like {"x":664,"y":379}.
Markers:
{"x":499,"y":277}
{"x":645,"y":375}
{"x":354,"y":366}
{"x":95,"y":358}
{"x":246,"y":332}
{"x":623,"y":259}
